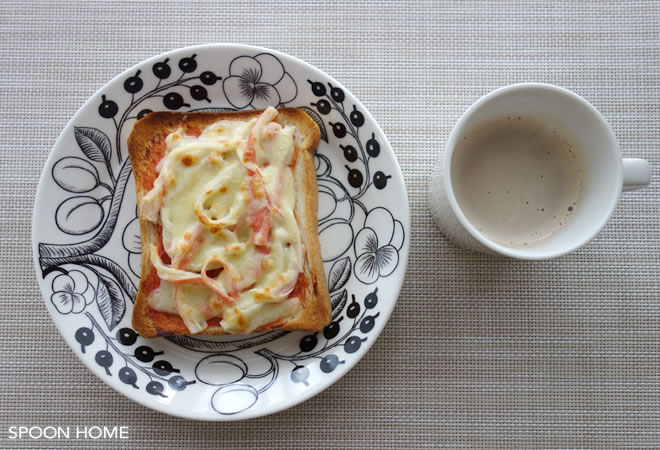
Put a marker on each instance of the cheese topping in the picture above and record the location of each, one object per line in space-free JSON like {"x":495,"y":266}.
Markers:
{"x":225,"y":200}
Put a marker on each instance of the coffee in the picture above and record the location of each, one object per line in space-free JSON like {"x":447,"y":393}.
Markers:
{"x":516,"y":180}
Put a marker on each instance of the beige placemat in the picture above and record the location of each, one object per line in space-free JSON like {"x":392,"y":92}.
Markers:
{"x":479,"y":352}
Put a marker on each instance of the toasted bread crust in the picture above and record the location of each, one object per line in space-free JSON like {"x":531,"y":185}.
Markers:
{"x":146,"y":147}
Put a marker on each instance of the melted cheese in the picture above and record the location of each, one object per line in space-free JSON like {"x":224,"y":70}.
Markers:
{"x":226,"y":201}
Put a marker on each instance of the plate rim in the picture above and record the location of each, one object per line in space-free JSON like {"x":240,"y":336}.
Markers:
{"x":311,"y":391}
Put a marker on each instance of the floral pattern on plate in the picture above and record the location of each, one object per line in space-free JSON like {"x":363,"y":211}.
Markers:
{"x":87,"y":238}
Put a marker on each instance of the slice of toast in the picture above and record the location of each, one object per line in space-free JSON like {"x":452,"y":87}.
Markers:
{"x":147,"y":145}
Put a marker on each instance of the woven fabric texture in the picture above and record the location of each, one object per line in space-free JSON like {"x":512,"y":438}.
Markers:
{"x":480,"y":351}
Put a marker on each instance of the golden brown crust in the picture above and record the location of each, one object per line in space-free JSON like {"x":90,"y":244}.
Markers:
{"x":146,"y":147}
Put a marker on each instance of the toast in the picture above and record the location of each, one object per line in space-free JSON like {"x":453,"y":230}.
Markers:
{"x":227,"y":204}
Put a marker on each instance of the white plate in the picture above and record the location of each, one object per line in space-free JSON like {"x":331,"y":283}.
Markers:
{"x":86,"y":239}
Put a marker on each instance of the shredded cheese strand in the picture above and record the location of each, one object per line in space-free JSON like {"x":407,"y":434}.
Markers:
{"x":259,"y":218}
{"x":213,"y":284}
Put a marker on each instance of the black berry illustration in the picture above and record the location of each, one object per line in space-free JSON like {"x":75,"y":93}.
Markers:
{"x":317,"y":88}
{"x":367,"y":324}
{"x":332,"y":330}
{"x":208,"y":78}
{"x":108,"y":109}
{"x":308,"y":343}
{"x":134,"y":83}
{"x":155,"y":388}
{"x":127,"y":336}
{"x":337,"y":94}
{"x":329,"y":363}
{"x":339,"y":129}
{"x":174,"y":100}
{"x":300,"y":374}
{"x":104,"y":359}
{"x":353,"y":309}
{"x":199,"y":93}
{"x":178,"y":383}
{"x":145,"y":353}
{"x":373,"y":147}
{"x":188,"y":64}
{"x":355,"y":178}
{"x":164,"y":368}
{"x":380,"y":180}
{"x":350,"y":153}
{"x":323,"y":106}
{"x":162,"y":70}
{"x":357,"y":119}
{"x":143,"y":113}
{"x":371,"y":300}
{"x":353,"y":344}
{"x":84,"y":336}
{"x":127,"y":376}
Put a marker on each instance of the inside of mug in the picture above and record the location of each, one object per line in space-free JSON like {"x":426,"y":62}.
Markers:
{"x":592,"y":141}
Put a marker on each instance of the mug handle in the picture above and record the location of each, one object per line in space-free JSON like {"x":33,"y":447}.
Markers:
{"x":636,"y":174}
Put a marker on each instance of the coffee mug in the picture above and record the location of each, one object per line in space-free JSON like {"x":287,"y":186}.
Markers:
{"x":604,"y":174}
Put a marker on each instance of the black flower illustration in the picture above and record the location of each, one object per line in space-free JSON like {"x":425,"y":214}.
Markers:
{"x":377,"y":246}
{"x":258,"y":81}
{"x":72,"y":292}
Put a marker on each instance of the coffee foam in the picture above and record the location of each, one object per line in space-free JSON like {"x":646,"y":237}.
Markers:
{"x":516,"y":180}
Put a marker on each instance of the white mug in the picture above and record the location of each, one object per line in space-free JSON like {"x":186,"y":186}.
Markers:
{"x":606,"y":173}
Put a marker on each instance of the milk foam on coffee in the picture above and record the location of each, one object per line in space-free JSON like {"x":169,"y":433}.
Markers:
{"x":516,"y":180}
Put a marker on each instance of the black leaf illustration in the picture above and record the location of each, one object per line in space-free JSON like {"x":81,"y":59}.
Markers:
{"x":207,"y":346}
{"x":339,"y":274}
{"x":76,"y":175}
{"x":79,"y":215}
{"x":213,"y":109}
{"x":338,"y":301}
{"x":110,"y":301}
{"x":316,"y":118}
{"x":94,"y":144}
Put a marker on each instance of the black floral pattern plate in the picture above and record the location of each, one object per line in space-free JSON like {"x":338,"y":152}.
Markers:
{"x":86,"y":237}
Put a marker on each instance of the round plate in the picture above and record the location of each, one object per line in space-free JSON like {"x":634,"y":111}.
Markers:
{"x":86,"y":237}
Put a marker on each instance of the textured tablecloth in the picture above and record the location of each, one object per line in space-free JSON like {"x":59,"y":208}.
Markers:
{"x":480,"y":351}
